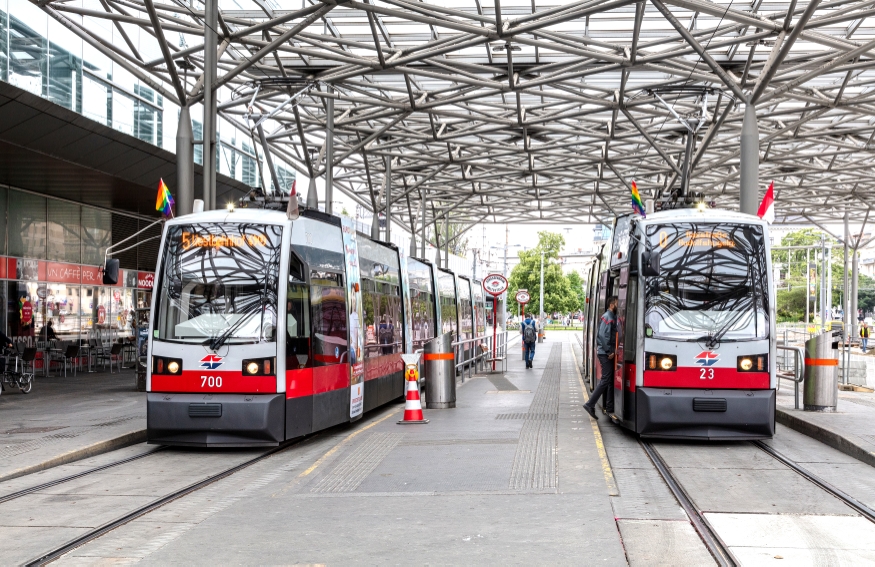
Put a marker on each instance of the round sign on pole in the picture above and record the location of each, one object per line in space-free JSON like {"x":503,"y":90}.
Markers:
{"x":523,"y":297}
{"x":495,"y":284}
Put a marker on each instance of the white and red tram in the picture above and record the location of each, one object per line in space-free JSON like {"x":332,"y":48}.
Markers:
{"x":696,"y":324}
{"x":265,"y":329}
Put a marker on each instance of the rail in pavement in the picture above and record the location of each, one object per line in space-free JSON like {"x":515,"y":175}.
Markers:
{"x":65,"y":419}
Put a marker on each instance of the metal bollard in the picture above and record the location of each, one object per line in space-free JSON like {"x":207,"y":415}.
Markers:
{"x":440,"y":373}
{"x":821,"y":363}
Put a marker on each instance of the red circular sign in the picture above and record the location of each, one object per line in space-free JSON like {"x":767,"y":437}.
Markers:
{"x":495,"y":284}
{"x":101,"y":315}
{"x":523,"y":297}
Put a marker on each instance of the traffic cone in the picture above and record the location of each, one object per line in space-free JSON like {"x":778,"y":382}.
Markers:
{"x":413,"y":406}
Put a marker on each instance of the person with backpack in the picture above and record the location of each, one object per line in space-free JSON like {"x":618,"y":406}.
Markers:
{"x":606,"y":339}
{"x":529,"y":330}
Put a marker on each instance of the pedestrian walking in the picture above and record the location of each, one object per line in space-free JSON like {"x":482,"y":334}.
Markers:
{"x":864,"y":336}
{"x":529,"y":330}
{"x":606,"y":340}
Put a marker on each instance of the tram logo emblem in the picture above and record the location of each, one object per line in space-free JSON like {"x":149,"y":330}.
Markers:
{"x":211,"y":361}
{"x":707,"y":358}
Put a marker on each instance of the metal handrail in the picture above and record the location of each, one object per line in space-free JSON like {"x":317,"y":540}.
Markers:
{"x":478,"y":359}
{"x":798,"y":370}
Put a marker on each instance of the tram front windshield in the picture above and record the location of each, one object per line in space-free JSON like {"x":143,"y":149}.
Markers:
{"x":712,"y":283}
{"x":219,"y":283}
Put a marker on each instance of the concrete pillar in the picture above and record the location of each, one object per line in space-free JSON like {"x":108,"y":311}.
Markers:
{"x":846,"y":305}
{"x":424,"y":226}
{"x":389,"y":199}
{"x":855,"y":278}
{"x":447,"y":243}
{"x":541,"y":295}
{"x":209,"y":128}
{"x":375,"y":226}
{"x":184,"y":163}
{"x":750,"y":162}
{"x":312,"y":195}
{"x":829,"y":278}
{"x":329,"y":153}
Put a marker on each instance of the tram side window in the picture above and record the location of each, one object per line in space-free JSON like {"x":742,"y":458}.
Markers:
{"x":297,"y":318}
{"x":298,"y":326}
{"x":382,"y":304}
{"x":328,"y":316}
{"x":448,"y":315}
{"x":423,"y":318}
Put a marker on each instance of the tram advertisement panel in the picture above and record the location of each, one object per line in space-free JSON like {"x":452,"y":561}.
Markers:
{"x":356,"y":316}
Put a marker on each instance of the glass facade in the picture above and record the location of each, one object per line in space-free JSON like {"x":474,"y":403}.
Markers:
{"x":51,"y":270}
{"x":42,"y":56}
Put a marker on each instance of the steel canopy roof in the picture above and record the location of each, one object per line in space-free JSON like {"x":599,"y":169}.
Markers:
{"x":531,"y":111}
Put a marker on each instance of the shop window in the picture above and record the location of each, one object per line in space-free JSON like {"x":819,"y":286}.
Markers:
{"x":96,"y":235}
{"x":64,"y":242}
{"x":27,"y":225}
{"x":3,"y":199}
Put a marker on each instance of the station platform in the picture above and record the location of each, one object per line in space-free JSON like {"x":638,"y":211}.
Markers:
{"x":65,"y":419}
{"x":515,"y":474}
{"x":850,"y":429}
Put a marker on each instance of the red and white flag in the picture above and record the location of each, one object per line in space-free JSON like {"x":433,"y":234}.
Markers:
{"x":767,"y":207}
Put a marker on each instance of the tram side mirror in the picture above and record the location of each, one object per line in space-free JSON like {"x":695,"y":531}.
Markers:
{"x":650,"y":263}
{"x":110,"y":272}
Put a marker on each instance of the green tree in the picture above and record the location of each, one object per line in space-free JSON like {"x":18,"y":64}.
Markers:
{"x":791,"y":263}
{"x":577,"y":286}
{"x":558,"y":293}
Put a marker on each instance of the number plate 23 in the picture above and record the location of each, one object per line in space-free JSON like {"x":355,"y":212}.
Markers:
{"x":706,"y":373}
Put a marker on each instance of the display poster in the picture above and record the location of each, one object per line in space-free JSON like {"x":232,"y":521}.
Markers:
{"x":356,"y":316}
{"x":405,"y":294}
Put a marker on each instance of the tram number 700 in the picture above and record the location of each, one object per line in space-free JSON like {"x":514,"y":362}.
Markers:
{"x":706,"y":373}
{"x":211,"y":381}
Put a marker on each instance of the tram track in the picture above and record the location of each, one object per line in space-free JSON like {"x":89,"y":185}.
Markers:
{"x":62,"y":480}
{"x":709,"y":536}
{"x":57,"y":552}
{"x":718,"y":549}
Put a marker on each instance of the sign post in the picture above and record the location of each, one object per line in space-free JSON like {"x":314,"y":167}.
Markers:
{"x":495,"y":285}
{"x":523,"y":297}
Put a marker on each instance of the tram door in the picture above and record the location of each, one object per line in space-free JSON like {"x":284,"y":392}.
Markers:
{"x":624,"y":360}
{"x":600,"y":307}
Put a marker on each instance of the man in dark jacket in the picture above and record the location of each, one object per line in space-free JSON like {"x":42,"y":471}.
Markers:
{"x":606,"y":340}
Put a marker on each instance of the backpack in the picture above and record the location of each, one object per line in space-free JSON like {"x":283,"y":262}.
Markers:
{"x":529,"y":335}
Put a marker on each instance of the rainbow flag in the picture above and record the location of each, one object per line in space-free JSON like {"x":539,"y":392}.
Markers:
{"x":637,"y":205}
{"x":165,"y":199}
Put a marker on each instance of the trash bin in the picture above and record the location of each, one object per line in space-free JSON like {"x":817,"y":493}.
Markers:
{"x":821,"y":377}
{"x":440,"y":373}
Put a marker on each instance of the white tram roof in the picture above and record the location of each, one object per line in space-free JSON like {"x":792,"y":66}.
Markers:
{"x":695,"y":215}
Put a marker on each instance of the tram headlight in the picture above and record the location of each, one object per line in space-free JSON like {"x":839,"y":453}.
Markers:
{"x":661,"y":362}
{"x":259,"y":367}
{"x":165,"y":365}
{"x":753,"y":363}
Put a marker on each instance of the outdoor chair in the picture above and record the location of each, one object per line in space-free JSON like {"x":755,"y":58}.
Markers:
{"x":68,"y":356}
{"x":113,"y":355}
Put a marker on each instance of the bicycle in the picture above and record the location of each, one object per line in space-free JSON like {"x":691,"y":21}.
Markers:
{"x":12,"y":376}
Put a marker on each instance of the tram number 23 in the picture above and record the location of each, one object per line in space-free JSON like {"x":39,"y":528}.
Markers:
{"x":211,"y":381}
{"x":706,"y":373}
